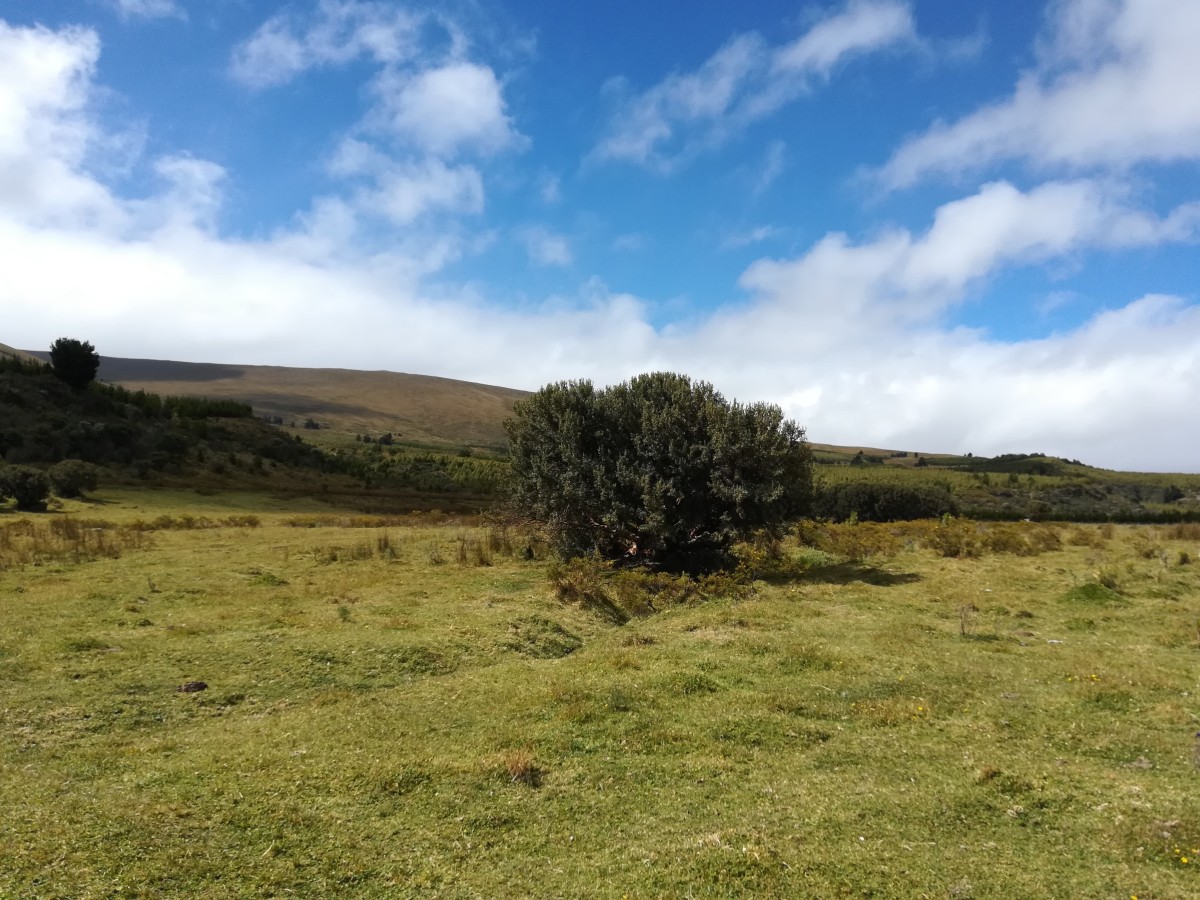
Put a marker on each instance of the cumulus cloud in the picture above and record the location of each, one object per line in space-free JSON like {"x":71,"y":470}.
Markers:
{"x":194,"y":191}
{"x":428,"y":98}
{"x":402,"y":191}
{"x":428,"y":106}
{"x":337,"y":32}
{"x":1112,"y":88}
{"x":745,"y":80}
{"x":443,"y":109}
{"x":911,"y":278}
{"x":45,"y":126}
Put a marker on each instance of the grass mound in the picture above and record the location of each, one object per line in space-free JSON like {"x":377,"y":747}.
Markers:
{"x":1095,"y":594}
{"x":541,"y":638}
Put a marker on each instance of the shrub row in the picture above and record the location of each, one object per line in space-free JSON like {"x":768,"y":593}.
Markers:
{"x":881,"y":502}
{"x":31,"y":487}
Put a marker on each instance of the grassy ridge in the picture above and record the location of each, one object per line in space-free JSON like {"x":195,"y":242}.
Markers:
{"x":383,"y":719}
{"x":418,"y":408}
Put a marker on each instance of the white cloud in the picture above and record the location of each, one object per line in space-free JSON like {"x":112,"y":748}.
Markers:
{"x":1112,"y":88}
{"x":549,"y":188}
{"x":630,"y":243}
{"x":194,"y":195}
{"x":403,"y":191}
{"x":772,"y":166}
{"x":745,"y":80}
{"x":865,"y":25}
{"x":427,"y":107}
{"x":913,"y":278}
{"x":45,"y":127}
{"x":1056,"y":300}
{"x":443,"y":109}
{"x":149,"y":9}
{"x":545,"y":248}
{"x":746,"y":238}
{"x":338,"y":32}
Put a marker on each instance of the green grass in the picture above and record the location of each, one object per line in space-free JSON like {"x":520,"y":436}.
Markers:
{"x":378,"y":724}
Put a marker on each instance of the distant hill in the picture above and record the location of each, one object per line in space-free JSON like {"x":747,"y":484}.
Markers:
{"x":7,"y":351}
{"x":415,"y":408}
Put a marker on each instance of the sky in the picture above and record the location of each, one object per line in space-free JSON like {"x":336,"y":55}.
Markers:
{"x":914,"y":224}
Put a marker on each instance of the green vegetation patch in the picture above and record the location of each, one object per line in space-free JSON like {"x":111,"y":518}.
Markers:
{"x":541,"y":638}
{"x":1094,"y":594}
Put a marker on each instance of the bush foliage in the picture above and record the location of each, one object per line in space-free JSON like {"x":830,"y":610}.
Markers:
{"x":29,"y":487}
{"x":658,"y":471}
{"x":72,"y":477}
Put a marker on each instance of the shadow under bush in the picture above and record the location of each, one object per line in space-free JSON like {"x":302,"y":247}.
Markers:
{"x":619,"y":595}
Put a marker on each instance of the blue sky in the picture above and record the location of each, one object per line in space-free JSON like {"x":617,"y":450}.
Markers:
{"x":930,"y":225}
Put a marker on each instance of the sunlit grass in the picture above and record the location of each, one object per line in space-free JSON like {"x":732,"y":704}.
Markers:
{"x":380,"y":723}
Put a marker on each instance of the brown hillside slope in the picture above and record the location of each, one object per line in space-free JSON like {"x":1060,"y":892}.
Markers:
{"x":418,"y":408}
{"x":6,"y":350}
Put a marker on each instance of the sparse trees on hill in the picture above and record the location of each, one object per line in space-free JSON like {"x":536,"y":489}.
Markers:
{"x":657,"y":471}
{"x":74,"y":362}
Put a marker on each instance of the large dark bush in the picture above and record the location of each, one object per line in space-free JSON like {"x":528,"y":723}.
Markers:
{"x":71,"y":477}
{"x":657,"y":471}
{"x":881,"y":502}
{"x":29,"y":487}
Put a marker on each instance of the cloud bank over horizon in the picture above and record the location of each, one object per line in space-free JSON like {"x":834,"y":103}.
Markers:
{"x":873,"y":332}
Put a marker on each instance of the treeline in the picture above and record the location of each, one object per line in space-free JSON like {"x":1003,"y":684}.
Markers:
{"x":157,"y":406}
{"x":377,"y":464}
{"x":1018,"y":464}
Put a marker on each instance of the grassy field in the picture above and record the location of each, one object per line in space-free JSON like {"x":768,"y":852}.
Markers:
{"x":403,"y":707}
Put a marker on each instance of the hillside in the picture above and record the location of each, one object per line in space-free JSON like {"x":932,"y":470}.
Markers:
{"x":218,"y":444}
{"x":416,"y":408}
{"x":137,"y":435}
{"x":7,"y":352}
